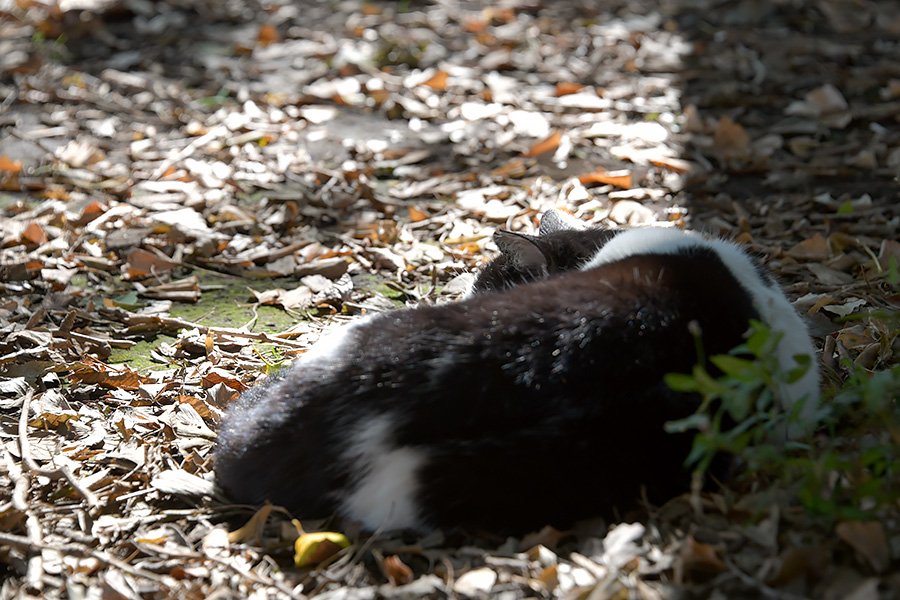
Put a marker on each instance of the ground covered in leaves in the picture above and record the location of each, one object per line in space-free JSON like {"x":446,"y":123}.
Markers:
{"x":192,"y":189}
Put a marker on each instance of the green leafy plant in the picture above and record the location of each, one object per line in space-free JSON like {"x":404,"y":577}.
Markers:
{"x":848,"y":469}
{"x":738,"y":413}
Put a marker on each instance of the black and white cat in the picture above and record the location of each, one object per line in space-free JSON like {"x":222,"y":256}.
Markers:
{"x":539,"y":398}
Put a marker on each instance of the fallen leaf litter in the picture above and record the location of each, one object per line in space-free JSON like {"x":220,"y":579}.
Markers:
{"x":342,"y":158}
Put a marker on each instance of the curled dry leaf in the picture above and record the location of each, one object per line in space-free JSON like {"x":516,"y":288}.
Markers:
{"x":252,"y":529}
{"x":546,"y":145}
{"x":621,"y":179}
{"x":397,"y":572}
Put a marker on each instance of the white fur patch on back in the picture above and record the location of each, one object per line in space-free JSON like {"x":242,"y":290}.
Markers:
{"x":636,"y":242}
{"x":386,"y":491}
{"x":774,"y":308}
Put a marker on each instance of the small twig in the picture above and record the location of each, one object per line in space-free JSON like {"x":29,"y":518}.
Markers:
{"x":32,"y":466}
{"x":24,"y":543}
{"x":34,"y":571}
{"x":176,"y":323}
{"x":34,"y":574}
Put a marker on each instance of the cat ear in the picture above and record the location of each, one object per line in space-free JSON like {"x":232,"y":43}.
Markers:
{"x":556,"y":220}
{"x":522,"y":250}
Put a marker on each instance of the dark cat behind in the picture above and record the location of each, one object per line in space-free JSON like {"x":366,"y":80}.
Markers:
{"x":522,"y":405}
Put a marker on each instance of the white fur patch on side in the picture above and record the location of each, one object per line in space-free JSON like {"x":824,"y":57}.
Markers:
{"x":386,"y":491}
{"x":776,"y":311}
{"x":774,"y":308}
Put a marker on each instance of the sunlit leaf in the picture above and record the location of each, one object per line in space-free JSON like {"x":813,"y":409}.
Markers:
{"x":313,"y":548}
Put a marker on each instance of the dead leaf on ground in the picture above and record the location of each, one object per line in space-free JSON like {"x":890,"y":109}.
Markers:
{"x":546,"y":145}
{"x":868,"y":539}
{"x":731,"y":140}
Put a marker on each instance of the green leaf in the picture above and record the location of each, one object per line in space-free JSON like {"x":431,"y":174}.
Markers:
{"x":681,"y":382}
{"x":732,"y":365}
{"x":698,"y":421}
{"x":758,"y":338}
{"x":804,"y":361}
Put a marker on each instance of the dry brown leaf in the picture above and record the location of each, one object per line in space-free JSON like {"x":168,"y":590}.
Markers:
{"x":216,"y":376}
{"x":116,"y":376}
{"x":566,"y":88}
{"x":700,"y":557}
{"x":621,"y":179}
{"x":677,"y":165}
{"x":820,"y":304}
{"x":397,"y":571}
{"x":548,"y":537}
{"x":476,"y":26}
{"x":438,"y":81}
{"x":544,"y":146}
{"x":198,"y":404}
{"x":34,"y":234}
{"x":268,"y":34}
{"x":731,"y":140}
{"x":890,"y":249}
{"x":814,"y":248}
{"x":869,"y":540}
{"x":549,"y":578}
{"x":252,"y":529}
{"x":416,"y":215}
{"x":10,"y":166}
{"x":797,"y":562}
{"x":141,"y":263}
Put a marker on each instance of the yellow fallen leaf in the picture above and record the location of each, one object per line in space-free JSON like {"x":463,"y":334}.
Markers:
{"x":312,"y":548}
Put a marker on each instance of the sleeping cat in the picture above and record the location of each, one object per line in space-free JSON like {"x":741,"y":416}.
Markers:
{"x":539,"y":398}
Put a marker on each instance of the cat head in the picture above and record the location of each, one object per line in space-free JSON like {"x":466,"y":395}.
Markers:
{"x":563,"y":244}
